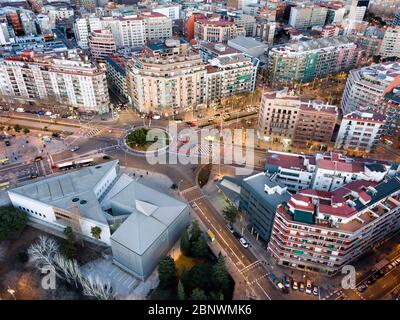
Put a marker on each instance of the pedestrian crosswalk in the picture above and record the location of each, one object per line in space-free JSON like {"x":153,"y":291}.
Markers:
{"x":92,"y":132}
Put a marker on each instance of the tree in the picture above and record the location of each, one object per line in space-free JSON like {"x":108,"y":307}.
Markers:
{"x":26,"y":130}
{"x":185,"y":277}
{"x":185,"y":243}
{"x":199,"y":277}
{"x":200,"y":248}
{"x":220,"y":276}
{"x":96,"y":232}
{"x":181,"y":291}
{"x":68,"y":245}
{"x":216,"y":295}
{"x":17,"y":128}
{"x":167,"y":271}
{"x":11,"y":222}
{"x":195,"y":231}
{"x":198,"y":294}
{"x":230,"y":212}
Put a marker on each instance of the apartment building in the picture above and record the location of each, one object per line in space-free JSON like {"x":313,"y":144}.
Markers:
{"x":295,"y":171}
{"x":156,"y":25}
{"x":335,"y":11}
{"x":307,"y":16}
{"x":315,"y":123}
{"x":391,"y":108}
{"x":166,"y":77}
{"x":323,"y":171}
{"x":259,"y":198}
{"x":305,"y":60}
{"x":360,"y":130}
{"x":284,"y":118}
{"x":278,"y":116}
{"x":324,"y":231}
{"x":390,"y":46}
{"x":116,"y":73}
{"x":216,"y":29}
{"x":365,"y":87}
{"x":229,"y":75}
{"x":101,"y":44}
{"x":69,"y":77}
{"x":128,"y":31}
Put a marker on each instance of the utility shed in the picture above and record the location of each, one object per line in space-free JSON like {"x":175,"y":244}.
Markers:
{"x":155,"y":223}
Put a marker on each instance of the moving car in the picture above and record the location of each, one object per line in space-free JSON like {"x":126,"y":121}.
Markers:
{"x":362,"y":288}
{"x":33,"y":176}
{"x":106,"y":157}
{"x":38,"y":158}
{"x":7,"y":142}
{"x":156,"y":117}
{"x":243,"y":242}
{"x":76,"y":148}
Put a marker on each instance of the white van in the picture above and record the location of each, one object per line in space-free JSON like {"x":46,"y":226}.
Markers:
{"x":20,"y":110}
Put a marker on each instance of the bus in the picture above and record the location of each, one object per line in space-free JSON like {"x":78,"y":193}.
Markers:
{"x":84,"y":162}
{"x":74,"y":164}
{"x":4,"y":185}
{"x":211,"y":235}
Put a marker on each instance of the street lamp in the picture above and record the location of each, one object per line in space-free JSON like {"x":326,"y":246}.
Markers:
{"x":12,"y":292}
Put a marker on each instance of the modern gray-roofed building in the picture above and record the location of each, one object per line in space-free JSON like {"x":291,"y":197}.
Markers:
{"x":249,"y":46}
{"x":155,"y":223}
{"x":147,"y":222}
{"x":63,"y":200}
{"x":259,"y":198}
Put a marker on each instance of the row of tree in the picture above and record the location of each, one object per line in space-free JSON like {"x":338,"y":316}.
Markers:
{"x":207,"y":279}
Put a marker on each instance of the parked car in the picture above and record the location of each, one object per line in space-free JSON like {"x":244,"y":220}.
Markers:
{"x":286,"y":282}
{"x":362,"y":288}
{"x":38,"y":158}
{"x":316,"y":291}
{"x":230,"y":227}
{"x":236,"y":234}
{"x":308,"y":287}
{"x":243,"y":242}
{"x":33,"y":176}
{"x":106,"y":157}
{"x":76,"y":148}
{"x":156,"y":117}
{"x":295,"y":285}
{"x":301,"y":287}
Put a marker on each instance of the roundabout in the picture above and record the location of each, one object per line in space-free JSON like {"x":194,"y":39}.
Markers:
{"x":147,"y":140}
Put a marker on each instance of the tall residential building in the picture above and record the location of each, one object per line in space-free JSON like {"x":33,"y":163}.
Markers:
{"x":285,"y":118}
{"x":357,"y":10}
{"x":391,"y":108}
{"x":278,"y":116}
{"x":70,"y":78}
{"x":128,"y":31}
{"x":156,"y":25}
{"x":247,"y":22}
{"x":360,"y":130}
{"x":324,"y":231}
{"x":391,"y":43}
{"x":4,"y":32}
{"x":259,"y":198}
{"x":101,"y":44}
{"x":307,"y":16}
{"x":315,"y":123}
{"x":303,"y":61}
{"x":365,"y":87}
{"x":396,"y":21}
{"x":166,"y":77}
{"x":217,"y":30}
{"x":335,"y":11}
{"x":229,"y":75}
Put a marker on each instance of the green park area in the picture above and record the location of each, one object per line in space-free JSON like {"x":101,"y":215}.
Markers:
{"x":197,"y":274}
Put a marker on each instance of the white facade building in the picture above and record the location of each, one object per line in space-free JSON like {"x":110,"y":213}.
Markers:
{"x":390,"y":46}
{"x":303,"y":17}
{"x":365,"y":87}
{"x":69,"y":77}
{"x":360,"y":130}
